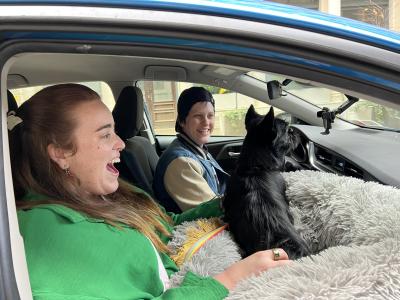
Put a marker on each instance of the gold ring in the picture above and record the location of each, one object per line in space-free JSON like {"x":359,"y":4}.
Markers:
{"x":276,"y":254}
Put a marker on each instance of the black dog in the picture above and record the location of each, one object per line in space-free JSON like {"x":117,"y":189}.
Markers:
{"x":256,"y":207}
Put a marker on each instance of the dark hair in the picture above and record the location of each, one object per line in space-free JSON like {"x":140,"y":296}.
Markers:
{"x":47,"y":118}
{"x":187,"y":99}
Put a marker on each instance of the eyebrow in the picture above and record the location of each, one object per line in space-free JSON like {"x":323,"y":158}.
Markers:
{"x":103,"y":127}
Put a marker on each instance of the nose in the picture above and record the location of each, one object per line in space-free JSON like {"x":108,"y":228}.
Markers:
{"x":119,"y":144}
{"x":205,"y":121}
{"x":210,"y":120}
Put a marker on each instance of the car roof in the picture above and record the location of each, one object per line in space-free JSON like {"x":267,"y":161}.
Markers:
{"x":262,"y":11}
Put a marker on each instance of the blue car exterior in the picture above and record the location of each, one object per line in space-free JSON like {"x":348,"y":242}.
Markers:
{"x":256,"y":11}
{"x":262,"y":11}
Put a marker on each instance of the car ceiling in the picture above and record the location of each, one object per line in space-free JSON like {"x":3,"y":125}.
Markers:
{"x":34,"y":69}
{"x":41,"y":69}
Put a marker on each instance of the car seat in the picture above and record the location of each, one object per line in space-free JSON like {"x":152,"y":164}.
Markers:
{"x":139,"y":158}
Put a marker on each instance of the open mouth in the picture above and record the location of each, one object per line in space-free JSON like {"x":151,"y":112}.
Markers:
{"x":111,"y":168}
{"x":204,"y":132}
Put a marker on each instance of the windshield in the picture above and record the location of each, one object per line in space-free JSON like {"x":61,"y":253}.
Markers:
{"x":362,"y":113}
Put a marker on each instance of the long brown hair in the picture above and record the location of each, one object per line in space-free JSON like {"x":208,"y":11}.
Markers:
{"x":47,"y":119}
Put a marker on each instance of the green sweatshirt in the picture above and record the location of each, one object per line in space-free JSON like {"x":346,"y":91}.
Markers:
{"x":71,"y":256}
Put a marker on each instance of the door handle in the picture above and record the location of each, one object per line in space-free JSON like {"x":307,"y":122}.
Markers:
{"x":233,"y":154}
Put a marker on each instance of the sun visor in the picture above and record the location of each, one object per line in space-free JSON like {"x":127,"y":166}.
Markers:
{"x":169,"y":73}
{"x":16,"y":81}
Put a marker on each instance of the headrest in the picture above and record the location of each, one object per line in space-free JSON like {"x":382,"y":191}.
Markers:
{"x":12,"y":103}
{"x":128,"y":112}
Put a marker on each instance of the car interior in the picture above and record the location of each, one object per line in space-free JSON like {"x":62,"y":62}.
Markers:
{"x":349,"y":149}
{"x":135,"y":124}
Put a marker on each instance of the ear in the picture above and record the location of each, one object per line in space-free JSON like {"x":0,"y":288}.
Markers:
{"x":58,"y":155}
{"x":268,"y":121}
{"x":250,"y":116}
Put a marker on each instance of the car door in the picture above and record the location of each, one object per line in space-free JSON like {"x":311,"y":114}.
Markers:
{"x":250,"y":36}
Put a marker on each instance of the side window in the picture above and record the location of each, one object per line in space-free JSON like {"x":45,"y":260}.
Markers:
{"x":23,"y":94}
{"x":230,"y":107}
{"x":102,"y":88}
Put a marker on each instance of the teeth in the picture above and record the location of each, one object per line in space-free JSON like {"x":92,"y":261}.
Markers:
{"x":115,"y":160}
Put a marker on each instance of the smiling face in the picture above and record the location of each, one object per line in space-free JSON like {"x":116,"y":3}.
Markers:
{"x":199,"y":123}
{"x":97,"y":148}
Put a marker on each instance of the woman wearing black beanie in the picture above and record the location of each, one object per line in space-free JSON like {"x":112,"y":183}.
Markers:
{"x":186,"y":173}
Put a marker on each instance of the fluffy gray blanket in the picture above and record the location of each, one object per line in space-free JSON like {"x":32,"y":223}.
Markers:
{"x":353,"y":227}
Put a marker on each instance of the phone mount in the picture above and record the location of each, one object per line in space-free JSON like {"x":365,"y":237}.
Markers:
{"x":328,"y":117}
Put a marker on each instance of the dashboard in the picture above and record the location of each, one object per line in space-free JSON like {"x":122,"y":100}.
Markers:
{"x":368,"y":154}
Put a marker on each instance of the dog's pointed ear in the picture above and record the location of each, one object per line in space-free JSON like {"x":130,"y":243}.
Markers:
{"x":267,"y":125}
{"x":250,"y":116}
{"x":269,"y":118}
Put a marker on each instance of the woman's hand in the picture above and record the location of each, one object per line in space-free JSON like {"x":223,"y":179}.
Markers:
{"x":252,"y":265}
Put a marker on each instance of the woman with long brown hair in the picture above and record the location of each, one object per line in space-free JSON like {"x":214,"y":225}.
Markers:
{"x":87,"y":235}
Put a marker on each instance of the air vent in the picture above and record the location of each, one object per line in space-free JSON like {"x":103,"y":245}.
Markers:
{"x":352,"y":170}
{"x":336,"y":163}
{"x":324,"y":157}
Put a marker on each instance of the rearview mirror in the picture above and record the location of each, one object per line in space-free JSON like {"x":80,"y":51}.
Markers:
{"x":274,"y":89}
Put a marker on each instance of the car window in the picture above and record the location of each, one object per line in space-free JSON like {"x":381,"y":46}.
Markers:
{"x":102,"y":88}
{"x":363,"y":113}
{"x":230,"y":107}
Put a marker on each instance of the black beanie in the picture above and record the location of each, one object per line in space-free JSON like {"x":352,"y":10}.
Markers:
{"x":187,"y":99}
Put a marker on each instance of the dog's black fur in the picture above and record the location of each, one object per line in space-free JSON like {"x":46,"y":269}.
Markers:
{"x":255,"y":203}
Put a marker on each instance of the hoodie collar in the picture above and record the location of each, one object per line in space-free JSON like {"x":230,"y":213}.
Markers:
{"x":201,"y":151}
{"x":68,"y":213}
